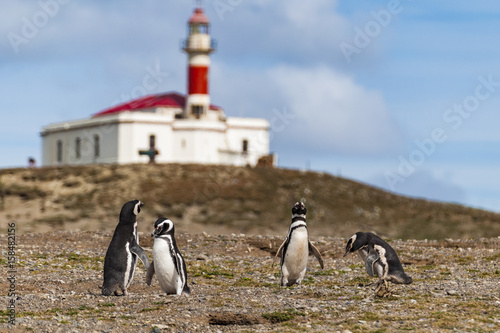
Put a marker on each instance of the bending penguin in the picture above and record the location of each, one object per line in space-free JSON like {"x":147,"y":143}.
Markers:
{"x":168,"y":263}
{"x":380,"y":259}
{"x":296,"y":248}
{"x":123,"y":251}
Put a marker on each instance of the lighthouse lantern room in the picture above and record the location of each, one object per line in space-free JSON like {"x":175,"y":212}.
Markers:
{"x":198,"y":46}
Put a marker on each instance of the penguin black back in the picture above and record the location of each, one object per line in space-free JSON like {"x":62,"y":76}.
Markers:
{"x":126,"y":230}
{"x":380,"y":259}
{"x":123,"y":250}
{"x":364,"y":240}
{"x":129,"y":212}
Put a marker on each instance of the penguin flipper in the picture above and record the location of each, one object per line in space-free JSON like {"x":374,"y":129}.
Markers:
{"x":316,"y":253}
{"x":137,"y":250}
{"x":150,"y":273}
{"x":279,"y":250}
{"x":371,"y":259}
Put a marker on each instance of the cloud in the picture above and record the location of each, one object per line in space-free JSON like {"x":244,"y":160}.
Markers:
{"x":268,"y":32}
{"x":333,"y":113}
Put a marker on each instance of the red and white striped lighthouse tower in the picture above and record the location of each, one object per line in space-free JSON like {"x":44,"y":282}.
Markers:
{"x":198,"y":46}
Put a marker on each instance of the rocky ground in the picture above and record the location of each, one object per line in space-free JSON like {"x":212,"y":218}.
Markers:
{"x":234,"y":288}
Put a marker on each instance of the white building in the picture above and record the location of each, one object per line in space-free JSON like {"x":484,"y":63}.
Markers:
{"x":170,"y":127}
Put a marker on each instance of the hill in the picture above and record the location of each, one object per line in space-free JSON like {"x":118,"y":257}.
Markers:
{"x":224,"y":200}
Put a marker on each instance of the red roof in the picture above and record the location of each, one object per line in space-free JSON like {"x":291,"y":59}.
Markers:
{"x":199,"y":17}
{"x":172,"y":99}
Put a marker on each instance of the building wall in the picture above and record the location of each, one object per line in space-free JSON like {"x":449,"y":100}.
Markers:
{"x":198,"y":141}
{"x":104,"y":152}
{"x":136,"y":129}
{"x":256,"y":134}
{"x":121,"y":136}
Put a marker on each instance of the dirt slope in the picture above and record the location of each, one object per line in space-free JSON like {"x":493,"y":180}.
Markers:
{"x":224,"y":200}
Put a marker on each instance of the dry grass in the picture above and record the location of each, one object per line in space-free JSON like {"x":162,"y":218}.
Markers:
{"x":226,"y":199}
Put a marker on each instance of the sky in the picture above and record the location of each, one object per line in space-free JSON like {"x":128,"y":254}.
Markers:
{"x":403,"y":95}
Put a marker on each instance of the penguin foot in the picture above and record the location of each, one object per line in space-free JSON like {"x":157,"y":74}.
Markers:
{"x":382,"y":292}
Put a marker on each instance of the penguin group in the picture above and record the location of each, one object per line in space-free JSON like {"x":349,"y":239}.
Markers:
{"x":168,"y":264}
{"x":124,"y":249}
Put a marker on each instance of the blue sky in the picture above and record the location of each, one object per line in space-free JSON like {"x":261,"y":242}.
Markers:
{"x":403,"y":95}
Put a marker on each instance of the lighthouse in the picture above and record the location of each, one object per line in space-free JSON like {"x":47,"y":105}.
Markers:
{"x":198,"y":46}
{"x":166,"y":127}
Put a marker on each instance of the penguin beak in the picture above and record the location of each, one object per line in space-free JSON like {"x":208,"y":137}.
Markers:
{"x":157,"y":231}
{"x":348,"y":247}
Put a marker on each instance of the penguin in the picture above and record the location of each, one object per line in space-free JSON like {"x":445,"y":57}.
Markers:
{"x":380,"y":259}
{"x":296,"y":248}
{"x":168,"y":263}
{"x":123,"y":251}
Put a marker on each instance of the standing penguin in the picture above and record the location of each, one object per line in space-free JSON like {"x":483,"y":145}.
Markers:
{"x":168,"y":263}
{"x":122,"y":253}
{"x":296,"y":249}
{"x":380,"y":259}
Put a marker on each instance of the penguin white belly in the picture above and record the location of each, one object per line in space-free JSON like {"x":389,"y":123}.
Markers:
{"x":297,"y":252}
{"x":165,"y":267}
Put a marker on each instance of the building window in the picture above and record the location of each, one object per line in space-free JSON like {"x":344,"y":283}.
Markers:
{"x":197,"y":111}
{"x":97,"y":148}
{"x":183,"y":143}
{"x":59,"y":151}
{"x":78,"y":147}
{"x":198,"y":29}
{"x":244,"y":147}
